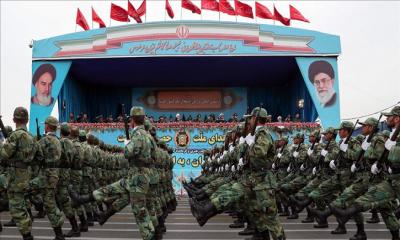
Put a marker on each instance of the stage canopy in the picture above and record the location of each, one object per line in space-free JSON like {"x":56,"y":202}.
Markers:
{"x":223,"y":66}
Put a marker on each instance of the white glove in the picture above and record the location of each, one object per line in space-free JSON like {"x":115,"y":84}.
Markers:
{"x":309,"y":152}
{"x":295,"y":154}
{"x":213,"y":157}
{"x":250,"y":139}
{"x":211,"y":169}
{"x":390,"y":170}
{"x":332,"y":164}
{"x":240,"y":162}
{"x":389,"y":144}
{"x":314,"y":170}
{"x":344,"y":147}
{"x":365,"y":145}
{"x":288,"y":168}
{"x":233,"y":168}
{"x":374,"y":169}
{"x":324,"y":152}
{"x":226,"y":167}
{"x":218,"y":159}
{"x":126,"y":141}
{"x":224,"y":153}
{"x":302,"y":168}
{"x":353,"y":168}
{"x":273,"y":166}
{"x":231,"y":148}
{"x":241,"y":140}
{"x":279,"y":155}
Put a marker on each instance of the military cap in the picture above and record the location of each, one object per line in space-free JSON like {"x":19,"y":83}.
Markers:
{"x":82,"y":133}
{"x":254,"y":112}
{"x":52,"y":121}
{"x":394,"y":112}
{"x":370,"y":121}
{"x":329,"y":130}
{"x":137,"y":111}
{"x":64,"y":127}
{"x":346,"y":124}
{"x":298,"y":135}
{"x":385,"y":133}
{"x":21,"y":113}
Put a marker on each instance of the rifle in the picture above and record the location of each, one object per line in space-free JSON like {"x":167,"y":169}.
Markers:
{"x":125,"y":122}
{"x":3,"y":129}
{"x":385,"y":154}
{"x":360,"y":158}
{"x":277,"y":160}
{"x":340,"y":155}
{"x":38,"y":136}
{"x":316,"y":140}
{"x":253,"y":130}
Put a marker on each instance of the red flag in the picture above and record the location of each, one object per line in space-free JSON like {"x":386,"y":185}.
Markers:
{"x":118,"y":13}
{"x":96,"y":18}
{"x":212,"y":5}
{"x":132,"y":12}
{"x":243,"y":9}
{"x":225,"y":7}
{"x":296,"y":15}
{"x":280,"y":18}
{"x":190,"y":6}
{"x":142,"y":9}
{"x":81,"y":21}
{"x":263,"y":12}
{"x":169,"y":9}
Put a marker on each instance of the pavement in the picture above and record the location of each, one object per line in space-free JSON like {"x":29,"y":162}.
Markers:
{"x":182,"y":225}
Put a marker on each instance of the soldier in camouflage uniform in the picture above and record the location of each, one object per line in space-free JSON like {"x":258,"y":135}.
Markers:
{"x":4,"y":179}
{"x":18,"y":152}
{"x":381,"y":195}
{"x":138,"y":152}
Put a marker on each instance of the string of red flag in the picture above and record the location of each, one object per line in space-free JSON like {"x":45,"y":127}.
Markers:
{"x":240,"y":8}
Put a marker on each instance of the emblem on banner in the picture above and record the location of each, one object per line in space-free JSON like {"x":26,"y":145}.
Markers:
{"x":182,"y":139}
{"x":182,"y":31}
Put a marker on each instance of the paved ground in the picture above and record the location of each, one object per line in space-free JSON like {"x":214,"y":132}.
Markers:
{"x":182,"y":225}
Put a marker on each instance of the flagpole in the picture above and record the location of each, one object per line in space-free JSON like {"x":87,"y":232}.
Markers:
{"x":75,"y":27}
{"x":110,"y":22}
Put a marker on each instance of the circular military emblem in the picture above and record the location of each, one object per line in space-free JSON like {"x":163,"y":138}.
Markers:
{"x":182,"y":139}
{"x":182,"y":31}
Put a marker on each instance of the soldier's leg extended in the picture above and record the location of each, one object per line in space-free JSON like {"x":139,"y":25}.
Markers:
{"x":18,"y":211}
{"x":64,"y":201}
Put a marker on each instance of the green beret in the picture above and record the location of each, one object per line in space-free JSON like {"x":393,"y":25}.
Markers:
{"x":52,"y":121}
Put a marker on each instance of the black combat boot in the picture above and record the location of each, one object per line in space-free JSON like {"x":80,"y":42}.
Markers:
{"x":309,"y":218}
{"x":301,"y":204}
{"x":59,"y":233}
{"x":174,"y":204}
{"x":321,"y":223}
{"x":161,"y":224}
{"x":83,"y":226}
{"x":11,"y":223}
{"x":74,"y":232}
{"x":249,"y":230}
{"x":205,"y":212}
{"x":395,"y":235}
{"x":90,"y":219}
{"x":374,"y":217}
{"x":322,"y":215}
{"x":202,"y":196}
{"x":77,"y":199}
{"x":104,"y":216}
{"x":27,"y":236}
{"x":340,"y":229}
{"x":343,"y":215}
{"x":40,"y":211}
{"x":238,"y":223}
{"x":360,"y":234}
{"x":1,"y":227}
{"x":260,"y":235}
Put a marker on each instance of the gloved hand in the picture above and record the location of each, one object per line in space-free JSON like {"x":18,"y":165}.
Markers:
{"x":211,"y":169}
{"x":389,"y":144}
{"x":273,"y":166}
{"x":295,"y":154}
{"x":231,"y":148}
{"x":288,"y":168}
{"x":126,"y":142}
{"x":354,"y":168}
{"x":302,"y":168}
{"x":332,"y":164}
{"x":233,"y":168}
{"x":324,"y":152}
{"x":390,"y":170}
{"x":226,"y":167}
{"x":344,"y":147}
{"x":240,"y":162}
{"x":224,"y":153}
{"x":279,"y":155}
{"x":309,"y":152}
{"x":314,"y":170}
{"x":250,"y":139}
{"x":374,"y":168}
{"x":241,"y":140}
{"x":218,"y":159}
{"x":365,"y":145}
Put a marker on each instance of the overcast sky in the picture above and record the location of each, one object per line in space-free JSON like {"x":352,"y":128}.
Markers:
{"x":369,"y":66}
